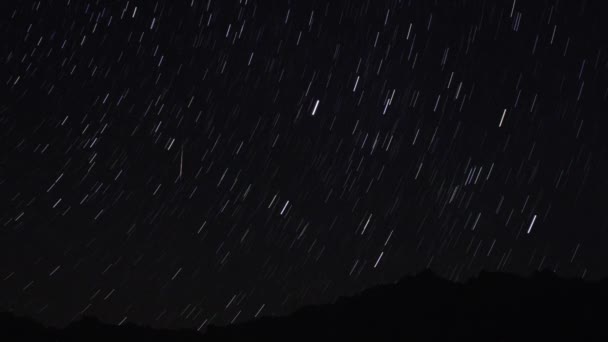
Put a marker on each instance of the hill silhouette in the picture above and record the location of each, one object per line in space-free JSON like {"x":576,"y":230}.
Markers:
{"x":425,"y":307}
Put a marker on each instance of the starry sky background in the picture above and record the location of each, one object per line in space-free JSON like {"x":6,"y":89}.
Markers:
{"x":181,"y":163}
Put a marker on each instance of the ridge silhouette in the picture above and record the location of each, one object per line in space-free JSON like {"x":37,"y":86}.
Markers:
{"x":425,"y":307}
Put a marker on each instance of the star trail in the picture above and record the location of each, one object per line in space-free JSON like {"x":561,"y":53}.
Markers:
{"x":182,"y":163}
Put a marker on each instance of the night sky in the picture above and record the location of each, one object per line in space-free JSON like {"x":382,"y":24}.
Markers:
{"x":186,"y":163}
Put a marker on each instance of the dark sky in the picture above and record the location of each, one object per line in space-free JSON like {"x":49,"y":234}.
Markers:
{"x":180,"y":163}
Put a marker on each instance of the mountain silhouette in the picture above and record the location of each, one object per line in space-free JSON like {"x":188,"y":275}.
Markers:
{"x":425,"y":307}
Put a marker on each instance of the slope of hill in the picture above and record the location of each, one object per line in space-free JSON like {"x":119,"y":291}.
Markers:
{"x":490,"y":307}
